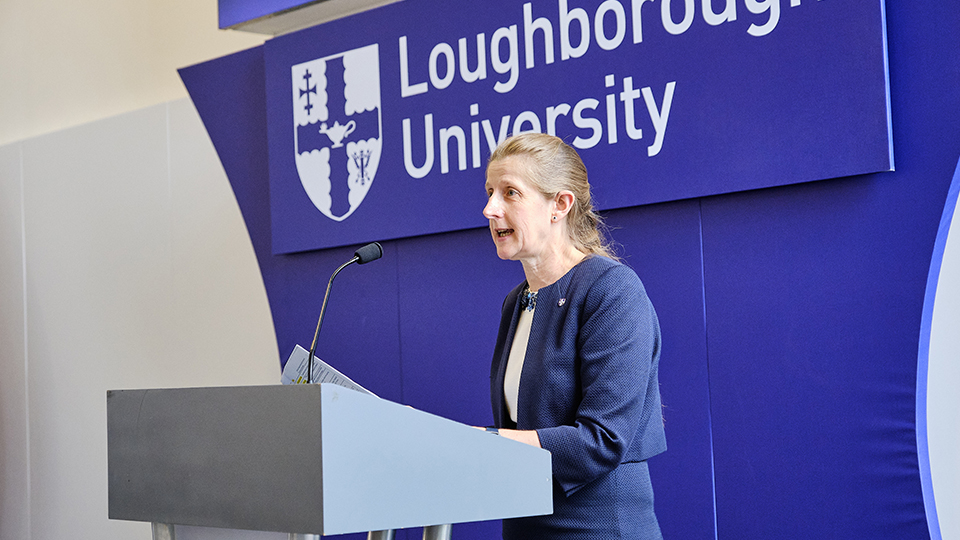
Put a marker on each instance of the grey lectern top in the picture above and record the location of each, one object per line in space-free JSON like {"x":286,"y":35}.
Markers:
{"x":317,"y":459}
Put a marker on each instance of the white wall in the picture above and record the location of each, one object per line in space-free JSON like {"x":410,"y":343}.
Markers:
{"x":123,"y":258}
{"x":14,"y":464}
{"x":68,"y":62}
{"x":138,"y":274}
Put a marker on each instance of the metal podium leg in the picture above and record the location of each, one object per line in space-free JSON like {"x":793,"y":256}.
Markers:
{"x":163,"y":531}
{"x":438,"y":532}
{"x":299,"y":536}
{"x":388,"y":534}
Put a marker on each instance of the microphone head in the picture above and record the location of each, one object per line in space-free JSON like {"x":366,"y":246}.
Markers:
{"x":369,"y":252}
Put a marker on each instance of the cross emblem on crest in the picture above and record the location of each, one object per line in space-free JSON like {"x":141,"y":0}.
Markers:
{"x":308,"y":90}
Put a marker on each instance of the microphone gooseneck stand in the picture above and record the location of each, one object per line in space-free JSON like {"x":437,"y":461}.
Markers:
{"x":323,"y":309}
{"x":367,"y":253}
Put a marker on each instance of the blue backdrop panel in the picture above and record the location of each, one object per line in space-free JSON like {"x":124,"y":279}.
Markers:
{"x":814,"y":299}
{"x":451,"y":290}
{"x":812,"y":413}
{"x":662,"y":243}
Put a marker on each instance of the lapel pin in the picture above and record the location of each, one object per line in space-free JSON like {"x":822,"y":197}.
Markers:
{"x":561,"y":302}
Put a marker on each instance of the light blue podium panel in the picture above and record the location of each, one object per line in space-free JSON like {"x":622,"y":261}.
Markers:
{"x":315,"y":459}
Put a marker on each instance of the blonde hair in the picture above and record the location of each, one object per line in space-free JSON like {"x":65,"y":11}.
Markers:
{"x":553,"y":166}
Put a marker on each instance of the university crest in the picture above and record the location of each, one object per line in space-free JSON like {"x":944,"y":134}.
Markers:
{"x":337,"y":128}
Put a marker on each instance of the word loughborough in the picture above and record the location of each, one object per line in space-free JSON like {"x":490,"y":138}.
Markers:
{"x":582,"y":115}
{"x":567,"y":36}
{"x":575,"y":33}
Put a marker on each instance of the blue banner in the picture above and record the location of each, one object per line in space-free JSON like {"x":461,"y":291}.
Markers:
{"x":380,"y":124}
{"x":234,"y":12}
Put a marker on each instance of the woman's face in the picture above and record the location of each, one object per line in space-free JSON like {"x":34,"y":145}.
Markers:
{"x":520,"y":216}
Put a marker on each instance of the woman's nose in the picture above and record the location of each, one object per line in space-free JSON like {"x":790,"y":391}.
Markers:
{"x":492,"y":209}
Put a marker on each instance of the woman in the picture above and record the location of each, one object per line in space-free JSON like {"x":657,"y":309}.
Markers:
{"x":575,"y":365}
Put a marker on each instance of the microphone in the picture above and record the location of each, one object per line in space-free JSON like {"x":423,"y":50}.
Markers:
{"x":367,"y":253}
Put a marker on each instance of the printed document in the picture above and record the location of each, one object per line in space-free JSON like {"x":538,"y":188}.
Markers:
{"x":295,"y":372}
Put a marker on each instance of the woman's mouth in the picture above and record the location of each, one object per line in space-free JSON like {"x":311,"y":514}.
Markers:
{"x":501,"y":233}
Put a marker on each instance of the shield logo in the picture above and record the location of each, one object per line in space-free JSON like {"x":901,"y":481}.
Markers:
{"x":337,"y":128}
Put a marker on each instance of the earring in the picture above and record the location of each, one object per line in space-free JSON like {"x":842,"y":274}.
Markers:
{"x":554,"y":218}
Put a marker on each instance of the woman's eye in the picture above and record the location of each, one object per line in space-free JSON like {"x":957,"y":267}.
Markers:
{"x":511,"y":192}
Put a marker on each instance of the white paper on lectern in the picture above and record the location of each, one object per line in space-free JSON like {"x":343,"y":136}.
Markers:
{"x":295,"y":372}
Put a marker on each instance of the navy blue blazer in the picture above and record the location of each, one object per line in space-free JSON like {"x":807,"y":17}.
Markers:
{"x":589,"y":383}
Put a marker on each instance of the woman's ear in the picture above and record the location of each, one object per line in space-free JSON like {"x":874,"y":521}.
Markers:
{"x":563,"y":202}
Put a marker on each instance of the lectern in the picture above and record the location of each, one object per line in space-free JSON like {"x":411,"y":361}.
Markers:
{"x":309,"y":459}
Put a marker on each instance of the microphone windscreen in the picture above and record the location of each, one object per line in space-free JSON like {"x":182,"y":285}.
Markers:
{"x":369,"y":252}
